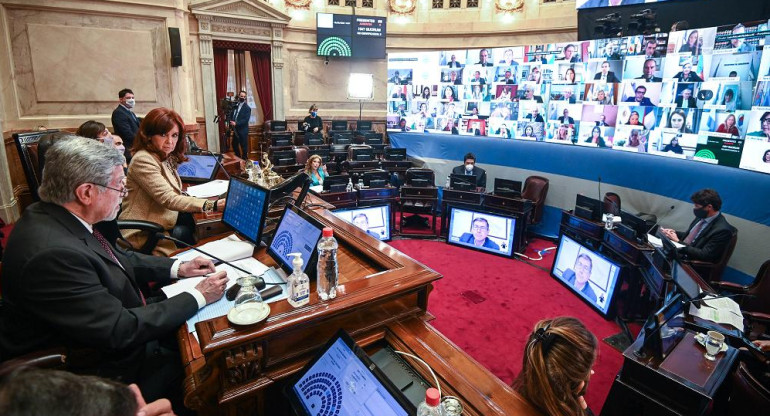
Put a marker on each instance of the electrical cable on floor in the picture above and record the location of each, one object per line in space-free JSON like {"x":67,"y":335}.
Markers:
{"x":539,"y":253}
{"x":435,"y":379}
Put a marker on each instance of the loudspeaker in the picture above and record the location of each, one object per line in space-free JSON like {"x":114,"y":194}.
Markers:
{"x":176,"y":46}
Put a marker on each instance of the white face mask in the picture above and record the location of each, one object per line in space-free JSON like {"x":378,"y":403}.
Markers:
{"x":130,"y":103}
{"x":108,"y":140}
{"x":121,"y":148}
{"x":469,"y":167}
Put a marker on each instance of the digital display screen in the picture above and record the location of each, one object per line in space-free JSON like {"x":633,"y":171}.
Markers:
{"x":198,"y":167}
{"x":245,"y":208}
{"x":481,"y":231}
{"x":588,"y":274}
{"x":352,"y":36}
{"x":374,"y":220}
{"x":695,"y":94}
{"x":339,"y":383}
{"x":297,"y":233}
{"x":592,"y":4}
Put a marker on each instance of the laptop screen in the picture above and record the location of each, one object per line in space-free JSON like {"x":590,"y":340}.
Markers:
{"x":246,"y":208}
{"x":297,"y":233}
{"x":340,"y":383}
{"x":198,"y":168}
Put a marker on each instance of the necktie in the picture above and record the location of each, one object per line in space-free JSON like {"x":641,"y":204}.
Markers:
{"x":604,"y":78}
{"x":694,"y":232}
{"x":106,"y":246}
{"x":235,"y":116}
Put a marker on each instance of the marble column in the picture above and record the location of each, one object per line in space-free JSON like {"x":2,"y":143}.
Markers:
{"x":208,"y":81}
{"x":277,"y":58}
{"x":9,"y":207}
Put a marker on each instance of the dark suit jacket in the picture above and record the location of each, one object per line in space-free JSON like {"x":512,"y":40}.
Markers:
{"x":468,"y":239}
{"x":125,"y":124}
{"x":479,"y":173}
{"x":569,"y":120}
{"x":242,"y":120}
{"x":653,"y":79}
{"x":690,"y":102}
{"x":610,"y":76}
{"x":710,"y":243}
{"x":645,"y":101}
{"x":61,"y":288}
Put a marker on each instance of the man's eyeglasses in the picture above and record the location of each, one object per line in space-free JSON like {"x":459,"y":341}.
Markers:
{"x":123,"y":192}
{"x":765,"y":120}
{"x":479,"y":227}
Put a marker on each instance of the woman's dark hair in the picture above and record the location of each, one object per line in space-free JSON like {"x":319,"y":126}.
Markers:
{"x":682,"y":114}
{"x":531,"y":130}
{"x":595,"y":129}
{"x":764,"y":157}
{"x":632,"y":113}
{"x":707,"y":196}
{"x":91,"y":129}
{"x":160,"y":121}
{"x":558,"y":357}
{"x":423,"y":92}
{"x":312,"y":108}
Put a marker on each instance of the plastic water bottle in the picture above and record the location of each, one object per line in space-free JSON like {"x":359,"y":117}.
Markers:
{"x":360,"y":184}
{"x":349,"y":188}
{"x":432,"y":404}
{"x":448,"y":182}
{"x":327,"y":266}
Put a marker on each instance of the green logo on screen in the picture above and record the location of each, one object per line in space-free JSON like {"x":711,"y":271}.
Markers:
{"x":334,"y":46}
{"x":705,"y":154}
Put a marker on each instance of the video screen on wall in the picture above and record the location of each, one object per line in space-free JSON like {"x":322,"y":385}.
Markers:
{"x":592,"y":4}
{"x":352,"y":36}
{"x":700,"y":94}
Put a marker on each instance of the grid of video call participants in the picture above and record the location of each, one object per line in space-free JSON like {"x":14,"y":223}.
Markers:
{"x":700,"y":94}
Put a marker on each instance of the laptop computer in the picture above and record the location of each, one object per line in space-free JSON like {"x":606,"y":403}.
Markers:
{"x":342,"y":380}
{"x":198,"y":169}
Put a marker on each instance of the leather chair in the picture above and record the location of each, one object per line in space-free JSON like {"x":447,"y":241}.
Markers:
{"x":302,"y":153}
{"x":611,"y":203}
{"x":748,"y":394}
{"x":712,"y":272}
{"x":536,"y":189}
{"x":32,"y":154}
{"x":756,"y":304}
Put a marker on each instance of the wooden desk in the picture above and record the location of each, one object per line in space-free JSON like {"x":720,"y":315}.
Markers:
{"x":418,"y":200}
{"x":684,"y":383}
{"x":383,"y":295}
{"x":338,"y":199}
{"x":590,"y":230}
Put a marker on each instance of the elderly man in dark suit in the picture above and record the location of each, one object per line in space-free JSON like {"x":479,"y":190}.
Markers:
{"x":64,"y":285}
{"x":124,"y":122}
{"x":240,"y":122}
{"x":685,"y":100}
{"x":709,"y":234}
{"x":469,"y":168}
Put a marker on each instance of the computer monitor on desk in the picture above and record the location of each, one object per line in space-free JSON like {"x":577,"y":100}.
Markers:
{"x":588,"y":208}
{"x":421,"y":179}
{"x":297,"y":232}
{"x":376,"y":178}
{"x":339,"y":125}
{"x":460,"y":182}
{"x":284,"y":157}
{"x":364,"y":126}
{"x":246,"y":208}
{"x":507,"y":188}
{"x":395,"y":154}
{"x":362,"y":154}
{"x":198,"y":168}
{"x":336,"y":183}
{"x":638,"y":225}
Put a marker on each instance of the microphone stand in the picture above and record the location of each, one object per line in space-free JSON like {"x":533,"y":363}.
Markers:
{"x":671,"y":208}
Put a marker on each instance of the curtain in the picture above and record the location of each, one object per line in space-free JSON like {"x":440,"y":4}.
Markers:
{"x":220,"y":79}
{"x":263,"y":79}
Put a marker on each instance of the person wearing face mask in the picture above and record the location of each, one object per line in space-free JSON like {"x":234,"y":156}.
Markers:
{"x":117,"y":141}
{"x":709,"y":234}
{"x":313,"y":122}
{"x":469,"y":168}
{"x":124,"y":122}
{"x":240,"y":123}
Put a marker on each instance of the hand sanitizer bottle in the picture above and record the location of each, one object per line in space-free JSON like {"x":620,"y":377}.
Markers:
{"x":299,"y":284}
{"x":349,"y":188}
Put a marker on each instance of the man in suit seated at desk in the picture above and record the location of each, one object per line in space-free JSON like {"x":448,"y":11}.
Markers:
{"x":605,"y":75}
{"x":362,"y":221}
{"x":685,"y":100}
{"x":479,"y":235}
{"x":64,"y":285}
{"x":580,"y":276}
{"x":709,"y":234}
{"x":469,"y":168}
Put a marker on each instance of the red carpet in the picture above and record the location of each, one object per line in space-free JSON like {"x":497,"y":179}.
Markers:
{"x":512,"y":296}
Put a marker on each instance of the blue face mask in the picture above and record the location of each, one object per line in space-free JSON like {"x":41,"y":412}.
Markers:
{"x":313,"y":113}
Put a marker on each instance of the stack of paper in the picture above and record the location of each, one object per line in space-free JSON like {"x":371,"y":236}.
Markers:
{"x":719,"y":310}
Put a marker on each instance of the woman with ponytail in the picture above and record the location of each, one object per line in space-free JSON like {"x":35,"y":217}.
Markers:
{"x":557,"y":365}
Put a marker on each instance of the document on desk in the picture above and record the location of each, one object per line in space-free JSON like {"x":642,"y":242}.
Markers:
{"x":720,"y":310}
{"x":209,"y":189}
{"x":655,"y":241}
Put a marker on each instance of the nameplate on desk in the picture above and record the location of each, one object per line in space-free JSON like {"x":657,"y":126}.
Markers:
{"x":587,"y":227}
{"x":396,"y":164}
{"x":508,"y":204}
{"x":426,"y":192}
{"x":464,"y":196}
{"x":377,"y":193}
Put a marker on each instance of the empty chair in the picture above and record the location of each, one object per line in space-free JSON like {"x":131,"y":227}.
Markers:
{"x":301,"y":153}
{"x":756,"y":304}
{"x":611,"y":203}
{"x":536,"y":189}
{"x":749,"y":393}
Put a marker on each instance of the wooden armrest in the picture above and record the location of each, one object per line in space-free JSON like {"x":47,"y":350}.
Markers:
{"x":757,"y":316}
{"x":53,"y":358}
{"x":729,"y":286}
{"x":701,"y":264}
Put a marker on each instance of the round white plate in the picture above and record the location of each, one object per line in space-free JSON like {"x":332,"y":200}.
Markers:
{"x":249,"y":314}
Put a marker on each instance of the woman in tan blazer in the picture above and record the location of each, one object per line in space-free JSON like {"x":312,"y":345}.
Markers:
{"x":154,"y":187}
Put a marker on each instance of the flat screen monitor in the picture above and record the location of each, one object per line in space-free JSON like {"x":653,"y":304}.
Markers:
{"x":339,"y":125}
{"x":662,"y":331}
{"x":350,"y":36}
{"x":342,"y":138}
{"x":395,"y":153}
{"x":297,"y":232}
{"x":480,"y":230}
{"x":591,"y":276}
{"x":325,"y":154}
{"x":314,"y":139}
{"x":376,"y":178}
{"x":198,"y":168}
{"x":374,"y":220}
{"x":460,"y":182}
{"x":373,"y":139}
{"x":332,"y":180}
{"x":362,"y":154}
{"x":281,"y":140}
{"x":284,"y":157}
{"x":421,"y":178}
{"x":364,"y":125}
{"x":507,"y":187}
{"x":246,"y":208}
{"x":635,"y":223}
{"x":686,"y":284}
{"x":591,"y":205}
{"x":654,"y":278}
{"x":278,"y":125}
{"x":342,"y":380}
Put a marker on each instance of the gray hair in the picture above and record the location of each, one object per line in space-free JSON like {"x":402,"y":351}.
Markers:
{"x":75,"y":161}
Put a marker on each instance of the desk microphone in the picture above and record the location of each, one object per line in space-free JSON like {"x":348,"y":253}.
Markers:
{"x":698,"y":300}
{"x":260,"y":282}
{"x":601,"y":197}
{"x":671,"y":208}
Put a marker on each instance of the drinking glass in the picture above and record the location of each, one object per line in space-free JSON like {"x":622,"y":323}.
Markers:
{"x":714,"y":343}
{"x":609,"y":222}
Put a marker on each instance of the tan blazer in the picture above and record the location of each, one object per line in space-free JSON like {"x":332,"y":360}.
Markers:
{"x":155,"y":194}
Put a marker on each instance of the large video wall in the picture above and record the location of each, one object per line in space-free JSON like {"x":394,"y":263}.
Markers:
{"x":701,"y":94}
